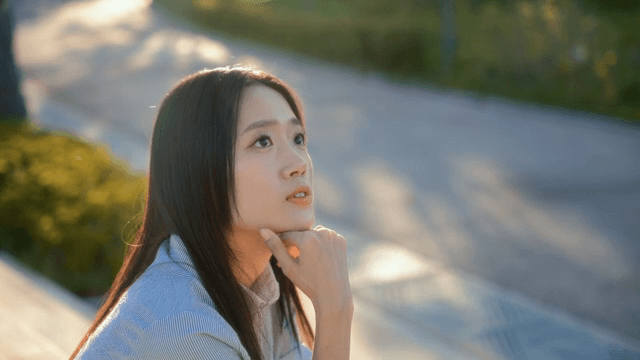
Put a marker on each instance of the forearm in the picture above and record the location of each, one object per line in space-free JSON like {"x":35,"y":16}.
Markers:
{"x":333,"y":332}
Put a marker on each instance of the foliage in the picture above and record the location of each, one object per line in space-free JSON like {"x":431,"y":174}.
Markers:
{"x":64,"y":205}
{"x":558,"y":52}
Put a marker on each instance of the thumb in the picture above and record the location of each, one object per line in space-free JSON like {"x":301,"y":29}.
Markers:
{"x":273,"y":241}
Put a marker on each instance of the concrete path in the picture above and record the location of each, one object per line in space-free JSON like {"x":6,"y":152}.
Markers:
{"x":38,"y":319}
{"x":421,"y":310}
{"x":539,"y":201}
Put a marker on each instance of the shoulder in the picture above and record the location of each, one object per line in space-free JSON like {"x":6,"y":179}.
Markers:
{"x":165,"y":312}
{"x":164,"y":290}
{"x":184,"y":335}
{"x":189,"y":335}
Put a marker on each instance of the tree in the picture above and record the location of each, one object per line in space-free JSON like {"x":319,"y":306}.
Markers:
{"x":12,"y":106}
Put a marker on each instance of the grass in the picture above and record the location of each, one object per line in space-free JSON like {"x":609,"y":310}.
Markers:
{"x":559,"y":53}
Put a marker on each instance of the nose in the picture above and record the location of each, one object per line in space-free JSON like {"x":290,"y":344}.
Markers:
{"x":297,"y":165}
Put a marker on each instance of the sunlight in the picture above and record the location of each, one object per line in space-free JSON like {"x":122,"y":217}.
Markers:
{"x":206,"y":4}
{"x":182,"y":47}
{"x":391,"y":196}
{"x":66,"y":38}
{"x":145,"y":55}
{"x":388,"y":207}
{"x":102,"y":13}
{"x":251,"y":61}
{"x":213,"y":52}
{"x":92,"y":132}
{"x":375,"y":336}
{"x":499,"y":205}
{"x":328,"y":195}
{"x":447,"y":226}
{"x":386,"y":262}
{"x":81,"y":26}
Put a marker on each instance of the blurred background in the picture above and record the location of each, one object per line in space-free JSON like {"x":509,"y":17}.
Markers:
{"x":482,"y":158}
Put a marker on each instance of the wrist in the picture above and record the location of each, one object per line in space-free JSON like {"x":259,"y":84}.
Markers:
{"x":333,"y":330}
{"x":334,"y":308}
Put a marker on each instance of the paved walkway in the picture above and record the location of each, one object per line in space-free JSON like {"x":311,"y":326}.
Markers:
{"x":39,"y":320}
{"x":406,"y":307}
{"x":538,"y":201}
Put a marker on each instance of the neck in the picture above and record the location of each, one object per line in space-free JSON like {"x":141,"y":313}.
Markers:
{"x":251,"y":253}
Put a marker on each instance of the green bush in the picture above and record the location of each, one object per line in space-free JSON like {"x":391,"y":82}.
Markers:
{"x":558,"y":52}
{"x":395,"y":45}
{"x":64,"y":205}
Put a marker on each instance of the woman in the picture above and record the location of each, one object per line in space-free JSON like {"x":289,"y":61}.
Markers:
{"x":228,"y":159}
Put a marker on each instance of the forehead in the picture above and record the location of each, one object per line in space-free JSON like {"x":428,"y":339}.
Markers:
{"x":260,"y":102}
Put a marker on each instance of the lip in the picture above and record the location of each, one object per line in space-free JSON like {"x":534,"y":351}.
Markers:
{"x":305,"y":200}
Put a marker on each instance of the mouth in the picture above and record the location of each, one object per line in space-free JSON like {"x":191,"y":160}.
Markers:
{"x":305,"y":199}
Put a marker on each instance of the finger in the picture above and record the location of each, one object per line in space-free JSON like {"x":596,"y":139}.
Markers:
{"x":278,"y":249}
{"x":293,"y":250}
{"x":292,"y":238}
{"x":320,"y":227}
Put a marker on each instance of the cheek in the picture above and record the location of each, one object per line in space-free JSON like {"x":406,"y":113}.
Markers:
{"x":255,"y":189}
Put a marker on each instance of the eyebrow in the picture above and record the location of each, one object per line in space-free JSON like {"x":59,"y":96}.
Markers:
{"x":267,"y":123}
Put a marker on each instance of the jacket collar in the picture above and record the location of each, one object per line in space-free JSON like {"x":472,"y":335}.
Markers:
{"x":264,"y":292}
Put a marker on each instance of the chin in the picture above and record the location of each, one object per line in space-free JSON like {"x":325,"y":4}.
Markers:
{"x":308,"y":224}
{"x":297,"y":225}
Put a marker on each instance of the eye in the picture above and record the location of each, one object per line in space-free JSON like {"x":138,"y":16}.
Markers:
{"x":303,"y":136}
{"x":262,"y":138}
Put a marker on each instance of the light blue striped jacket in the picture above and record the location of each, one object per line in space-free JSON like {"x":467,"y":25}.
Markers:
{"x":167,"y":314}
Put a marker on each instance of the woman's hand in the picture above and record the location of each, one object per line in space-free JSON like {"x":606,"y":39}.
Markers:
{"x":320,"y":270}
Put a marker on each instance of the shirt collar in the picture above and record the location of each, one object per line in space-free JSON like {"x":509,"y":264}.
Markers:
{"x":264,"y":291}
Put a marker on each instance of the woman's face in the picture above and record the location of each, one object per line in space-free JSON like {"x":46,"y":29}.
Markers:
{"x":271,"y":162}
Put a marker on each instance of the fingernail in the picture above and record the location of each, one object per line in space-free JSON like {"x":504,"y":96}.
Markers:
{"x":264,"y":233}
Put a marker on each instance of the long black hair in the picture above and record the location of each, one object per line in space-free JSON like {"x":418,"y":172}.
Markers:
{"x":191,"y":193}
